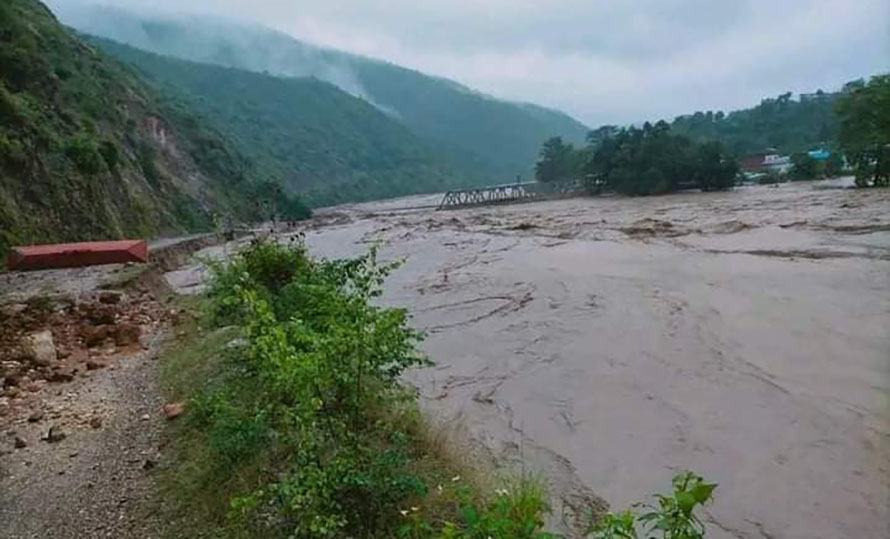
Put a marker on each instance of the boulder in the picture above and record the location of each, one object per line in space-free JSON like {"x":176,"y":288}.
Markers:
{"x":126,"y":334}
{"x":62,"y":375}
{"x":173,"y":410}
{"x":98,"y":314}
{"x":54,"y":435}
{"x":109,"y":298}
{"x":94,"y":335}
{"x":39,"y":348}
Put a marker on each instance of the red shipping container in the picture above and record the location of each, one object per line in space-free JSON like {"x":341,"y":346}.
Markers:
{"x":75,"y":255}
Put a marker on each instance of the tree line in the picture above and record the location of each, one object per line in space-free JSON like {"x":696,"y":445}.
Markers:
{"x":638,"y":161}
{"x":693,"y":151}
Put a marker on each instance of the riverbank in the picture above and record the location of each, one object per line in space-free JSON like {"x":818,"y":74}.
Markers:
{"x":607,"y":342}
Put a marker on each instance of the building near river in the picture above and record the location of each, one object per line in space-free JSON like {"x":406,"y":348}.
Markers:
{"x":765,"y":162}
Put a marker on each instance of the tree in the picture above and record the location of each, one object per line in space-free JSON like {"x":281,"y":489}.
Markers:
{"x":716,"y":170}
{"x":652,"y":160}
{"x":558,"y":162}
{"x":834,"y":166}
{"x":864,"y":111}
{"x":803,"y":167}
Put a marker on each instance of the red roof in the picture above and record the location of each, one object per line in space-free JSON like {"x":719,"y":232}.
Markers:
{"x":73,"y":255}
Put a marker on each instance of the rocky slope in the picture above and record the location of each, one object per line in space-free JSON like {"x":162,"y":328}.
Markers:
{"x":88,"y":151}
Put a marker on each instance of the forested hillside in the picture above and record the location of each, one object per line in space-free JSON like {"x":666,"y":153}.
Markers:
{"x":784,"y":123}
{"x":485,"y":134}
{"x":304,"y":133}
{"x":87,"y":151}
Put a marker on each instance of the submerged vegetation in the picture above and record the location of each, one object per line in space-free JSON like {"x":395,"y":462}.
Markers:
{"x":864,"y":110}
{"x":647,"y":161}
{"x":299,"y":426}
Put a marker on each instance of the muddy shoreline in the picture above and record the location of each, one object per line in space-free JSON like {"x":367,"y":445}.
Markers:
{"x":606,"y":343}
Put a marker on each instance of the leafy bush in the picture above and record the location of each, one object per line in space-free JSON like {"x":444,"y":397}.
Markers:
{"x":84,"y":153}
{"x":672,"y":518}
{"x":322,"y":365}
{"x":110,"y":154}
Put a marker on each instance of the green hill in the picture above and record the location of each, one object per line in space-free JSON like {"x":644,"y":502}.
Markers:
{"x":303,"y":133}
{"x":498,"y":137}
{"x":786,"y":124}
{"x":88,"y":151}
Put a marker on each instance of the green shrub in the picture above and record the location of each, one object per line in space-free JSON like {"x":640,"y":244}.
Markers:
{"x":110,"y":154}
{"x":672,"y":518}
{"x":84,"y":153}
{"x":12,"y":152}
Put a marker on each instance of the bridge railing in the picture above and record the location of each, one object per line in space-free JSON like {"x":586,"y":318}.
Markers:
{"x":507,"y":193}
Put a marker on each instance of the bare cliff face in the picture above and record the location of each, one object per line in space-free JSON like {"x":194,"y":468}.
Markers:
{"x":87,"y":150}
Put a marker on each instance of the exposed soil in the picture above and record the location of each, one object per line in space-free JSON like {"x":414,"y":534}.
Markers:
{"x":80,"y":408}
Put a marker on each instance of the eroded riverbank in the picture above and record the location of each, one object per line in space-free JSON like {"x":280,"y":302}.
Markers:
{"x":609,"y":342}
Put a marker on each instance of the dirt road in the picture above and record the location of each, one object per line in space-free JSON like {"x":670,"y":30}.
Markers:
{"x":610,"y":342}
{"x":80,"y":427}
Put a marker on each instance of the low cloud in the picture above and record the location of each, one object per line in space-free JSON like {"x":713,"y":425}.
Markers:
{"x":601,"y":61}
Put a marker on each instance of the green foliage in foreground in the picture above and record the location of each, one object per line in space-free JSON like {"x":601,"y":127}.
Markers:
{"x":673,"y":517}
{"x":301,"y":429}
{"x":864,"y":110}
{"x":305,"y":431}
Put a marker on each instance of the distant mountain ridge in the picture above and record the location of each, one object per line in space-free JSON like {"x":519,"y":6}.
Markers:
{"x":501,"y":138}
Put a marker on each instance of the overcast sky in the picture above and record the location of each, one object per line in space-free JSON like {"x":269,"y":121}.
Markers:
{"x":599,"y":60}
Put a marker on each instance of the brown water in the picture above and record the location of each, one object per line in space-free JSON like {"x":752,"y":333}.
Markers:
{"x":607,"y":343}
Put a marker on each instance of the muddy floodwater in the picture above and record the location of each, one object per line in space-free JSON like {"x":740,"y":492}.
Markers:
{"x":608,"y":342}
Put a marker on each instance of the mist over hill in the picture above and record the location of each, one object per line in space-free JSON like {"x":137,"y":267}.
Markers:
{"x":302,"y":133}
{"x":500,"y":137}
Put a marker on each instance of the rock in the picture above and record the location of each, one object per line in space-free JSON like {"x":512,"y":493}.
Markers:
{"x":93,"y":336}
{"x":35,"y":416}
{"x":54,"y":435}
{"x":40,"y":348}
{"x":96,"y":422}
{"x":109,"y":298}
{"x":148,"y":464}
{"x":173,"y":410}
{"x":20,"y":443}
{"x":97,"y":314}
{"x":13,"y":309}
{"x":126,"y":334}
{"x":62,"y":354}
{"x":62,"y":375}
{"x":12,"y":392}
{"x":93,"y":365}
{"x":145,"y":417}
{"x":235,"y":344}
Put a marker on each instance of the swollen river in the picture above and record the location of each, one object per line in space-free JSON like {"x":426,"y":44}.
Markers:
{"x":605,"y":343}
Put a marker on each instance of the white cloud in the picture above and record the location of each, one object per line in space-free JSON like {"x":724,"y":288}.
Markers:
{"x":600,"y":60}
